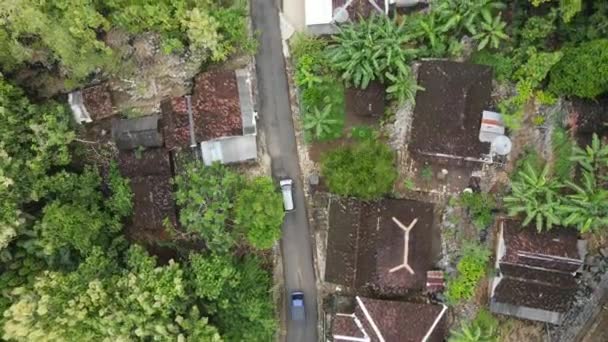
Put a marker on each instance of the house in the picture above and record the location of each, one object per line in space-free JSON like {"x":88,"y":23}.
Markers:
{"x":130,"y":134}
{"x":535,"y":272}
{"x":449,"y":113}
{"x":373,"y":320}
{"x":91,"y":104}
{"x":386,"y":247}
{"x":219,"y":117}
{"x":320,"y":17}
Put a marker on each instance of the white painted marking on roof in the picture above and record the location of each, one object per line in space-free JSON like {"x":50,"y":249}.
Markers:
{"x":428,"y":333}
{"x":365,"y":337}
{"x":406,"y":244}
{"x":370,"y":319}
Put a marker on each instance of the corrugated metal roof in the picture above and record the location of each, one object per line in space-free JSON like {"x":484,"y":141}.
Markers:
{"x":229,"y":150}
{"x":243,"y":81}
{"x":129,"y":134}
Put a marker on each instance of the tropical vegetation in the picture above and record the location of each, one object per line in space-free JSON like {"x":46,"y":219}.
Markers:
{"x":472,"y":267}
{"x":483,"y":328}
{"x":366,"y":169}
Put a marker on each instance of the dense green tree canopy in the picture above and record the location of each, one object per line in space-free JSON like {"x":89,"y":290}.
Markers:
{"x":259,"y":212}
{"x":100,"y":301}
{"x":210,"y":29}
{"x":583,"y":71}
{"x":33,"y":140}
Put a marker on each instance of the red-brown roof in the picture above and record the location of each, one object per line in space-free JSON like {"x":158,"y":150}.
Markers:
{"x":216,"y":103}
{"x":216,"y":110}
{"x":391,"y":321}
{"x":556,"y":249}
{"x":448,"y":112}
{"x":98,"y":101}
{"x":364,"y":244}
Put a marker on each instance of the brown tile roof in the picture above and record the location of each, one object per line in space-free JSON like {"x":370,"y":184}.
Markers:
{"x":216,"y":110}
{"x":447,"y":116}
{"x":149,"y":162}
{"x":215,"y":101}
{"x":393,"y":321}
{"x":556,"y":249}
{"x":152,"y":203}
{"x":536,"y":280}
{"x":533,"y":295}
{"x":98,"y":101}
{"x":365,"y":244}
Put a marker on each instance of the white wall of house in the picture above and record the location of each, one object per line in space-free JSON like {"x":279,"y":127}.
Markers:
{"x":294,"y":13}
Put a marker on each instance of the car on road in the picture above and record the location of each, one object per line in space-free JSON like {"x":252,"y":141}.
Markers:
{"x":297,"y":306}
{"x":287,"y":190}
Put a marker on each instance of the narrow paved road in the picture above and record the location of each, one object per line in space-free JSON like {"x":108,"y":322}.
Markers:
{"x":275,"y":116}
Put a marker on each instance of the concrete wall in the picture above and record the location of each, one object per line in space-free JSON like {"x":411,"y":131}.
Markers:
{"x":293,"y":12}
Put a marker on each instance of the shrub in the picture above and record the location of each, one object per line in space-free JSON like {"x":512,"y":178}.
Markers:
{"x":471,"y":269}
{"x":583,"y":71}
{"x":303,"y":44}
{"x":501,"y":64}
{"x":365,"y":170}
{"x":480,"y":206}
{"x":483,"y":328}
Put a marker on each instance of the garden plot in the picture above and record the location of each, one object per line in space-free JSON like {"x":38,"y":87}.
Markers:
{"x":363,"y":108}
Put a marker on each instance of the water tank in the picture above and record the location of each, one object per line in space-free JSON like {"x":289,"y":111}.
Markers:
{"x":340,"y":15}
{"x":501,"y":145}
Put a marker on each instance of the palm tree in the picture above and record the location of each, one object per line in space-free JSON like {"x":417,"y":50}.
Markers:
{"x":535,"y":195}
{"x":320,"y":122}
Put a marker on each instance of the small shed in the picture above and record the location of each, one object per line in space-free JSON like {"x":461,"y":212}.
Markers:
{"x":229,"y":150}
{"x":129,"y":134}
{"x":535,"y":272}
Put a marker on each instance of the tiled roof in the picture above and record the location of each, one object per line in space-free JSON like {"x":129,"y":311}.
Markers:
{"x":448,"y":112}
{"x":390,"y":321}
{"x":533,"y":295}
{"x":216,"y":105}
{"x":535,"y":279}
{"x":556,"y":249}
{"x":365,"y":244}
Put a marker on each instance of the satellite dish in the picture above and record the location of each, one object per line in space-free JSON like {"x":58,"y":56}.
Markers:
{"x":501,"y":145}
{"x":340,"y":14}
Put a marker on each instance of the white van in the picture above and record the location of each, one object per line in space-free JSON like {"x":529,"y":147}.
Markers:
{"x":287,"y":190}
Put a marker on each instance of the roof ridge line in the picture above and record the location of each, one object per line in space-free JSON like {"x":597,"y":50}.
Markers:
{"x":435,"y":323}
{"x":370,"y":319}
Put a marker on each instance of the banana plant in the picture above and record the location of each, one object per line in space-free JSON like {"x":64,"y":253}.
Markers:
{"x":367,"y":49}
{"x":592,"y":157}
{"x":491,"y":32}
{"x":587,"y":207}
{"x":535,"y":194}
{"x":320,"y":123}
{"x":403,"y":86}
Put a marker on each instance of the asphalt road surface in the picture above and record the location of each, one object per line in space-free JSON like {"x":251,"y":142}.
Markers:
{"x":275,"y":116}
